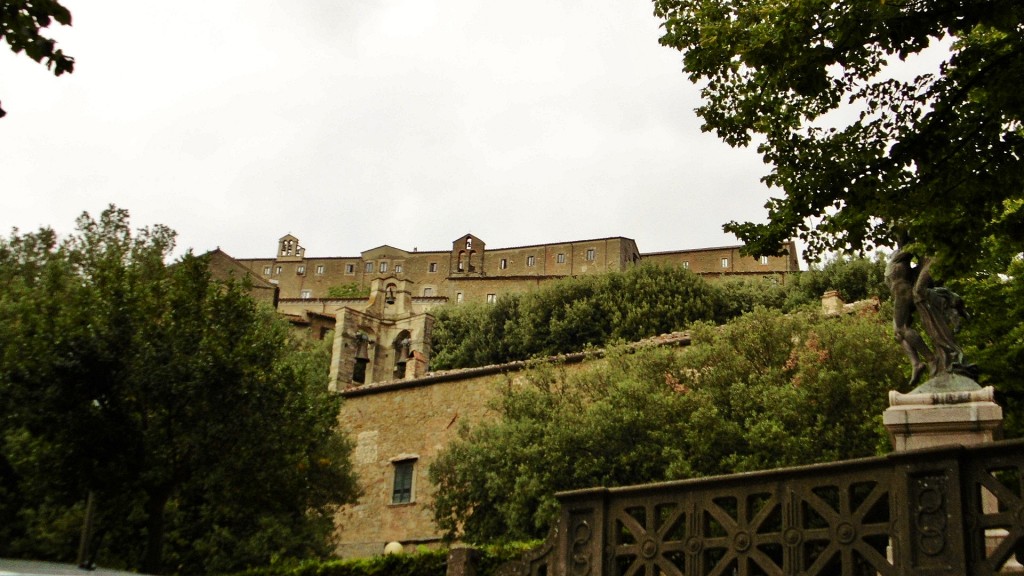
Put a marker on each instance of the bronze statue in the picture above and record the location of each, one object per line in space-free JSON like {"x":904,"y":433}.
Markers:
{"x":939,"y":310}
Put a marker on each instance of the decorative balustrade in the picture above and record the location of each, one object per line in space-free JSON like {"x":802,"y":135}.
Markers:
{"x":946,"y":511}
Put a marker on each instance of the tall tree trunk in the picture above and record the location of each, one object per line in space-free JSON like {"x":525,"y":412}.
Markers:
{"x":155,"y":506}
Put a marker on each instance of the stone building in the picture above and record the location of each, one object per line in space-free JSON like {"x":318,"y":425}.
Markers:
{"x":471,"y":272}
{"x":377,"y":306}
{"x":377,"y":303}
{"x":400,"y":427}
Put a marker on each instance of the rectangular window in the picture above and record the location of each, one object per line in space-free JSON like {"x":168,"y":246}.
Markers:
{"x":428,"y":291}
{"x":686,"y":263}
{"x":398,"y":268}
{"x":531,"y":260}
{"x":277,"y":270}
{"x":458,"y":297}
{"x":492,"y":298}
{"x":350,"y":268}
{"x":369,"y":267}
{"x":383,"y":266}
{"x":725,"y":262}
{"x":504,"y":263}
{"x":591,"y":253}
{"x":319,"y":268}
{"x":307,"y":294}
{"x":402,"y":491}
{"x":432,"y":267}
{"x":266,"y":270}
{"x":300,"y":270}
{"x":560,"y":258}
{"x":764,"y":260}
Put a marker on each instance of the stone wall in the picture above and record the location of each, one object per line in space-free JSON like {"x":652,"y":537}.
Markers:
{"x":399,"y":422}
{"x":727,"y":261}
{"x":394,"y":423}
{"x":445,"y":274}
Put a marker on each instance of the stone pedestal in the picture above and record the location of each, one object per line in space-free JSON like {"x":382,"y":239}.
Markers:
{"x":947,"y":410}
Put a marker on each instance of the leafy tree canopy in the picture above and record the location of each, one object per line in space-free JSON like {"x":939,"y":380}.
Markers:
{"x":993,"y":337}
{"x":21,"y":23}
{"x":570,"y":314}
{"x":765,"y":390}
{"x":861,"y":155}
{"x":205,"y":433}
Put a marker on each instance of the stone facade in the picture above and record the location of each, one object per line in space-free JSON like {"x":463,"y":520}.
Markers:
{"x":406,"y":424}
{"x":377,"y":339}
{"x":225,"y":268}
{"x":387,"y":340}
{"x":471,"y":272}
{"x":727,"y":261}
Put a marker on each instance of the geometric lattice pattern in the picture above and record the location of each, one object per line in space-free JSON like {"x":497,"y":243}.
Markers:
{"x":759,"y":528}
{"x":995,"y":509}
{"x":948,"y":511}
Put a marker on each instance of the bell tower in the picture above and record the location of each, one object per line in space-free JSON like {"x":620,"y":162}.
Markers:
{"x":467,"y":256}
{"x":386,"y":341}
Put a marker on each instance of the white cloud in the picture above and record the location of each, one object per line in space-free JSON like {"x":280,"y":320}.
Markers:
{"x":358,"y":123}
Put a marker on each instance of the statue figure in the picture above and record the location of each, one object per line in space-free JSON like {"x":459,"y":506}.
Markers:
{"x":940,"y":311}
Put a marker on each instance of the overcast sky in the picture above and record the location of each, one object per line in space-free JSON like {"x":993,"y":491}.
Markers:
{"x":353,"y":123}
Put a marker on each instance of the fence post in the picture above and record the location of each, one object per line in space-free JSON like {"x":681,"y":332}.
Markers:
{"x":930,"y":538}
{"x":581,"y":533}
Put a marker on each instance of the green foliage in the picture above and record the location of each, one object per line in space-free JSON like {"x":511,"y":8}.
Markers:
{"x":348,"y":290}
{"x":571,"y":314}
{"x":859,"y":153}
{"x":494,"y":556}
{"x":20,"y":25}
{"x":855,"y":278}
{"x":765,"y":390}
{"x":422,"y":563}
{"x":993,"y":338}
{"x":205,"y":432}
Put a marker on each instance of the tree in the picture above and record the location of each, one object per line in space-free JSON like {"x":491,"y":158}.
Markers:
{"x":860,"y":154}
{"x":570,"y":314}
{"x":20,"y":24}
{"x":205,"y":432}
{"x":763,"y":391}
{"x":993,"y":337}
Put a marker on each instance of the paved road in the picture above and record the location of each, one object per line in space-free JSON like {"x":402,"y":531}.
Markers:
{"x":33,"y":568}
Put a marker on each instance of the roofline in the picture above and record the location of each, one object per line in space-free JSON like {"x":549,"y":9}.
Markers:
{"x":566,"y":242}
{"x":786,"y":244}
{"x":417,"y":251}
{"x":673,"y":339}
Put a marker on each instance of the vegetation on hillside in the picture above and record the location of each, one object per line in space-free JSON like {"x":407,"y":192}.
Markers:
{"x":993,"y":337}
{"x":573,"y":313}
{"x":765,"y":390}
{"x":203,"y":430}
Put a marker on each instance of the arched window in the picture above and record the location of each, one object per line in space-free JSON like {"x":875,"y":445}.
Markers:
{"x":362,"y":358}
{"x":403,"y":352}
